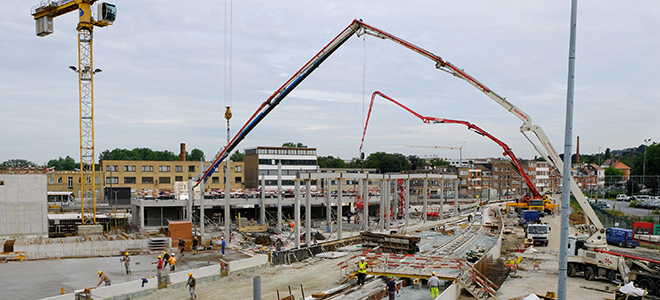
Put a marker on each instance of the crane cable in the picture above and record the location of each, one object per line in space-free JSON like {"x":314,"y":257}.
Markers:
{"x":228,"y":54}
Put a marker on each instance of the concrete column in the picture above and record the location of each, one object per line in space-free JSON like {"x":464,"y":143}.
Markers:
{"x":365,"y":211}
{"x":381,"y":218}
{"x":228,"y":200}
{"x":456,"y":206}
{"x":190,"y":200}
{"x":340,"y":186}
{"x":396,"y":201}
{"x":361,"y":192}
{"x":142,"y":212}
{"x":202,"y":186}
{"x":308,"y":212}
{"x":328,"y":205}
{"x":262,"y":215}
{"x":442,"y":197}
{"x":407,"y":206}
{"x":279,"y":195}
{"x":296,"y":212}
{"x":388,"y":205}
{"x":426,"y":198}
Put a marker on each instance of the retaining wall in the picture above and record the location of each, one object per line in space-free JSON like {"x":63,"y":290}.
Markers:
{"x":82,"y":249}
{"x":132,"y":289}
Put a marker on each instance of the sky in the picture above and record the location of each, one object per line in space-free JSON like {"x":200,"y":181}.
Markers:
{"x":166,"y":79}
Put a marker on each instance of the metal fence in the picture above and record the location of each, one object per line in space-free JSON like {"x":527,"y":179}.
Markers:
{"x":610,"y":220}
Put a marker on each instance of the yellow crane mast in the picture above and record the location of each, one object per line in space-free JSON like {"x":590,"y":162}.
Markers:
{"x":106,"y":13}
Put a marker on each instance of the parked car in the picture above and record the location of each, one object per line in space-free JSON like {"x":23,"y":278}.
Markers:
{"x":603,"y":205}
{"x":621,"y":197}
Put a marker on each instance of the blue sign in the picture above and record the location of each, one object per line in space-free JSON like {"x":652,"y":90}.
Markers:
{"x":81,"y":12}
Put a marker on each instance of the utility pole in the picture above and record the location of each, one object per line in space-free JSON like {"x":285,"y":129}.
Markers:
{"x":646,"y":141}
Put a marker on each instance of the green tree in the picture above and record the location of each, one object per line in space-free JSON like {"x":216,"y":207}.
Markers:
{"x":386,"y":162}
{"x":64,"y":164}
{"x":607,"y":155}
{"x":293,"y":145}
{"x":616,"y":175}
{"x":18,"y":163}
{"x":195,"y":155}
{"x":437,"y":162}
{"x":237,"y":156}
{"x":138,"y":154}
{"x":331,"y":162}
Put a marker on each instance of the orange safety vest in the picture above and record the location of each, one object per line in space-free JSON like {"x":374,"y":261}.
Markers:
{"x":172,"y":261}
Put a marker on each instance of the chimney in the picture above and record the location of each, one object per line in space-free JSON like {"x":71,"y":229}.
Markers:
{"x":182,"y":154}
{"x":577,"y":151}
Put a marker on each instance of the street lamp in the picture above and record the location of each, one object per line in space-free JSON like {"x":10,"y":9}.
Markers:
{"x":646,"y":141}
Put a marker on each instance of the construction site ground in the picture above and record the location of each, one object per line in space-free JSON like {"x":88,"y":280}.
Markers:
{"x":45,"y":278}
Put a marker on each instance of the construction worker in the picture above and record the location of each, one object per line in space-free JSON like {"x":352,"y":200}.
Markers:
{"x":182,"y":246}
{"x":195,"y":243}
{"x":166,"y":259}
{"x":223,"y":246}
{"x":159,"y":265}
{"x":103,"y":277}
{"x":191,"y":284}
{"x":469,"y":217}
{"x":391,"y":287}
{"x":477,"y":207}
{"x":434,"y":284}
{"x":127,"y":263}
{"x":362,"y":270}
{"x":172,"y":262}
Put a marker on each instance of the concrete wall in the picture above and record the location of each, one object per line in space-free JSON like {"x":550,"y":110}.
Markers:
{"x":23,"y":205}
{"x":95,"y":248}
{"x":450,"y":293}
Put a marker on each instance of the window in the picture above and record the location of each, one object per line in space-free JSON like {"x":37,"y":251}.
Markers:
{"x":112,"y":180}
{"x":147,"y":180}
{"x":178,"y":168}
{"x":215,"y":179}
{"x":496,"y":177}
{"x":70,"y":182}
{"x":112,"y":168}
{"x":96,"y":180}
{"x":178,"y":178}
{"x":496,"y":169}
{"x":164,"y":168}
{"x":164,"y":180}
{"x":238,"y":169}
{"x":59,"y":180}
{"x":51,"y":181}
{"x":508,"y":169}
{"x":129,"y":168}
{"x":129,"y":180}
{"x":147,"y":169}
{"x":191,"y":168}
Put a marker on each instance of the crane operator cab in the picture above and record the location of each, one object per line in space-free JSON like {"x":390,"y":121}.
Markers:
{"x":576,"y":242}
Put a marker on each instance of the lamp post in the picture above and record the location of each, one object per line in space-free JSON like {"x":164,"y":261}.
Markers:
{"x":646,"y":141}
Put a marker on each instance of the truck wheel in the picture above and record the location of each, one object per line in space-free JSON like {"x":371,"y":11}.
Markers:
{"x":572,"y":269}
{"x":646,"y":284}
{"x":589,"y":273}
{"x":546,"y":243}
{"x":621,"y":244}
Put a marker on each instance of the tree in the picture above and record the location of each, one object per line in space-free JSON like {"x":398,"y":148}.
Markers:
{"x":386,"y":162}
{"x":292,"y":145}
{"x":437,"y":162}
{"x":607,"y":155}
{"x":64,"y":164}
{"x":18,"y":163}
{"x":237,"y":156}
{"x":331,"y":162}
{"x":138,"y":154}
{"x":615,"y":174}
{"x":415,"y":162}
{"x":195,"y":155}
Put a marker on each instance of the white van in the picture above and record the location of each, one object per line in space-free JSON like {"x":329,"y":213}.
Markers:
{"x":621,"y":197}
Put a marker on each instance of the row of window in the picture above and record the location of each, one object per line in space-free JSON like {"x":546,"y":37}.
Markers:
{"x":288,"y":162}
{"x":496,"y":169}
{"x":281,"y":151}
{"x":131,"y":168}
{"x":69,"y":181}
{"x":285,"y":182}
{"x":161,"y":180}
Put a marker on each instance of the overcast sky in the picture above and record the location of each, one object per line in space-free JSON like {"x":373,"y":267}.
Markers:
{"x":163,"y":80}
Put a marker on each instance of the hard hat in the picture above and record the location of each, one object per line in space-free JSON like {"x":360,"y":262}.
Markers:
{"x":363,"y":258}
{"x":126,"y":253}
{"x":391,"y":276}
{"x":172,"y":254}
{"x":433,"y":272}
{"x":222,"y":238}
{"x":160,"y":256}
{"x":189,"y":274}
{"x":164,"y":253}
{"x":100,"y":272}
{"x":179,"y":239}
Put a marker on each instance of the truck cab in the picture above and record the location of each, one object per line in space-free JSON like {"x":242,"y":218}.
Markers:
{"x":538,"y":233}
{"x":537,"y":205}
{"x":621,"y":237}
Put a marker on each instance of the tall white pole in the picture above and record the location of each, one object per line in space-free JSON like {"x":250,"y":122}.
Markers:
{"x":279,"y":195}
{"x":566,"y":179}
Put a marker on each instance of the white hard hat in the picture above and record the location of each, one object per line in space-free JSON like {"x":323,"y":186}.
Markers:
{"x":172,"y":254}
{"x":363,"y":258}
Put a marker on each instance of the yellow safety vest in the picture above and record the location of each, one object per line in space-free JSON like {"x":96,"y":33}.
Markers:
{"x":362,"y":267}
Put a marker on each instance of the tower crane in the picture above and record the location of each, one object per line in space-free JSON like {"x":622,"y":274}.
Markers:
{"x":460,"y":150}
{"x":43,"y":14}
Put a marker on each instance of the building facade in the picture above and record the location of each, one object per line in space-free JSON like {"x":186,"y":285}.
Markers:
{"x":265,"y":161}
